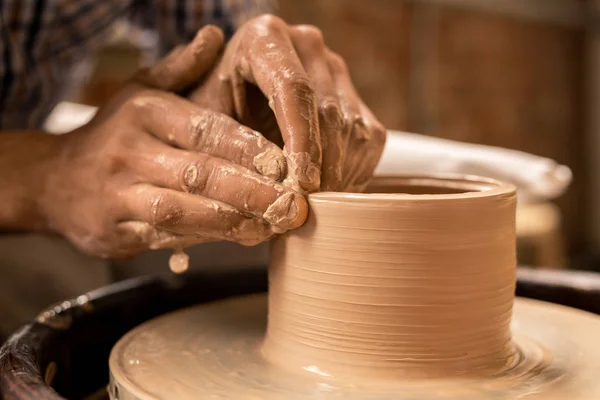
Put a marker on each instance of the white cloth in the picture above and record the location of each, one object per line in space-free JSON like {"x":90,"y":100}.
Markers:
{"x":536,"y":178}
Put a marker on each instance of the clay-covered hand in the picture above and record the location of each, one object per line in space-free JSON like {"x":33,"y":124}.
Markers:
{"x":286,"y":83}
{"x":153,"y":170}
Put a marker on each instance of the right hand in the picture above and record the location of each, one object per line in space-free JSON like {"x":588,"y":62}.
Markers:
{"x":153,"y":170}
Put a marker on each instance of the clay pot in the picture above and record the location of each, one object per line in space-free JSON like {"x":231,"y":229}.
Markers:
{"x":416,"y":279}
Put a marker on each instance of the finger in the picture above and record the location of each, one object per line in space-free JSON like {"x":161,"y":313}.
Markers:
{"x":310,"y":46}
{"x":179,"y":122}
{"x":187,"y":214}
{"x":356,"y":131}
{"x":363,"y":175}
{"x":363,"y":156}
{"x":372,"y":151}
{"x":275,"y":67}
{"x":223,"y":181}
{"x":186,"y":65}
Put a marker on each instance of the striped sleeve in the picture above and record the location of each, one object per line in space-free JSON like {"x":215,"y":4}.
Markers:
{"x":41,"y":41}
{"x":177,"y":21}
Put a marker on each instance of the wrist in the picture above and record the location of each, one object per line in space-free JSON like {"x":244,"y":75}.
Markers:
{"x":27,"y":158}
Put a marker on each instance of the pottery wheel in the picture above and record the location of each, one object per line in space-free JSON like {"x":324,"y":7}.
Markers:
{"x":212,"y":351}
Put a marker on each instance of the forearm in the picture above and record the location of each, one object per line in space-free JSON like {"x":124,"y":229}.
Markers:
{"x":25,"y":160}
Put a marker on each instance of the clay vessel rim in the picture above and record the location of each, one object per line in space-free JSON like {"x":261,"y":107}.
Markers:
{"x":470,"y":186}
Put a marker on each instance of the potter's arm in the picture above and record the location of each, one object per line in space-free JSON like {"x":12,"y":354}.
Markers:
{"x":52,"y":37}
{"x":25,"y":158}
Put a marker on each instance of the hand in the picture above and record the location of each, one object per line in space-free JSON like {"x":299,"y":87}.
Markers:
{"x":284,"y":82}
{"x":153,"y":170}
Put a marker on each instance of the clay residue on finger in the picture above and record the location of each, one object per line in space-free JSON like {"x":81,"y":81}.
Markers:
{"x":148,"y":101}
{"x":155,"y":239}
{"x":360,"y":130}
{"x":249,"y":231}
{"x":148,"y":235}
{"x":287,"y":212}
{"x":271,"y":163}
{"x":191,"y":178}
{"x":302,"y":171}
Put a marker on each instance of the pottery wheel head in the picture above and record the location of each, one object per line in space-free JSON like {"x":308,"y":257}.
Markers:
{"x":405,"y":292}
{"x":212,"y":351}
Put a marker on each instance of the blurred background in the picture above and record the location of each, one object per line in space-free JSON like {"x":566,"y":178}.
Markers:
{"x":518,"y":74}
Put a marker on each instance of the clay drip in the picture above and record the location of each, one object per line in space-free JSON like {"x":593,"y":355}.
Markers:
{"x":397,"y":285}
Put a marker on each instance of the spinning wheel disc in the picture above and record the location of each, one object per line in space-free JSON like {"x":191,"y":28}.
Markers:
{"x":213,"y":351}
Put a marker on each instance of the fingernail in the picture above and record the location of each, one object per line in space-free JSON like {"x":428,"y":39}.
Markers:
{"x":287,"y":212}
{"x":271,"y":163}
{"x":213,"y":30}
{"x":210,"y":33}
{"x":304,"y":171}
{"x":208,"y":40}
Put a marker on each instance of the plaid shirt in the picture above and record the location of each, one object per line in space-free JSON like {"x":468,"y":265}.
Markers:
{"x":41,"y":41}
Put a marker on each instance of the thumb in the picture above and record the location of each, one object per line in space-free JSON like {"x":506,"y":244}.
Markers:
{"x":185,"y":65}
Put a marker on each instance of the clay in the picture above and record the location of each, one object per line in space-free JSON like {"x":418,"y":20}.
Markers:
{"x":270,"y":164}
{"x":397,"y":285}
{"x":286,"y":212}
{"x":212,"y":351}
{"x":301,"y":169}
{"x":377,"y":294}
{"x":179,"y":261}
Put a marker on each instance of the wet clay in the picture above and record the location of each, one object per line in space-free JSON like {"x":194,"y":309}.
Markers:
{"x":212,"y":351}
{"x":397,"y":285}
{"x":179,"y":261}
{"x":407,"y":290}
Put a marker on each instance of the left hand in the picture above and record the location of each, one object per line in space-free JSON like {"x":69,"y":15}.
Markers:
{"x":284,"y":82}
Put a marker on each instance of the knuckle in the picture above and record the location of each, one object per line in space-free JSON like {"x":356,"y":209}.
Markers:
{"x":311,"y":34}
{"x":193,"y":177}
{"x":352,"y":118}
{"x":300,"y":85}
{"x":331,"y":112}
{"x":270,"y":22}
{"x":361,"y":129}
{"x":113,"y":163}
{"x":162,"y":212}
